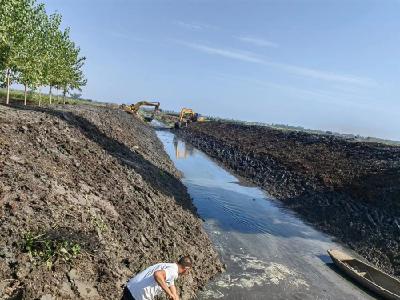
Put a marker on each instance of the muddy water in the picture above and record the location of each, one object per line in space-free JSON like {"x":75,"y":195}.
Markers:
{"x":269,"y":252}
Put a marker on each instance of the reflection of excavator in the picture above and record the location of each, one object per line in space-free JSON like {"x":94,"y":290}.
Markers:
{"x":187,"y":115}
{"x":182,"y":153}
{"x":134,"y":108}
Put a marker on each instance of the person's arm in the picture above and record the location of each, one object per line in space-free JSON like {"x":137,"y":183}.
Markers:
{"x":174,"y":291}
{"x":159,"y":277}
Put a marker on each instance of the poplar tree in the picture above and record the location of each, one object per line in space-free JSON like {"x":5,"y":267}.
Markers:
{"x":31,"y":65}
{"x":35,"y":52}
{"x":15,"y":18}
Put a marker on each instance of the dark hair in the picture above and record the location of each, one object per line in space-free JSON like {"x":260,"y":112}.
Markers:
{"x":185,"y":261}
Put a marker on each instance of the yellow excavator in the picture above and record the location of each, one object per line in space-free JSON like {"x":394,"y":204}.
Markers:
{"x":134,"y":108}
{"x":186,"y":116}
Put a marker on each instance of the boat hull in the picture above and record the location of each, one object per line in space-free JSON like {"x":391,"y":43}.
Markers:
{"x":368,"y":276}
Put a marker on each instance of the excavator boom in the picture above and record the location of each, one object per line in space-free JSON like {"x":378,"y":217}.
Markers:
{"x":134,"y":108}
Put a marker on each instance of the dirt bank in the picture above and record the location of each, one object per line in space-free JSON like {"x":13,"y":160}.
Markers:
{"x":88,"y":197}
{"x":348,"y":189}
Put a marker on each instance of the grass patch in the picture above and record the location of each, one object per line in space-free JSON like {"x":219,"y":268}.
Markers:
{"x":33,"y":98}
{"x":99,"y":223}
{"x":44,"y":249}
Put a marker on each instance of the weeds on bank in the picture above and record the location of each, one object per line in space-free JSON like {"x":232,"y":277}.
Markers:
{"x":99,"y":223}
{"x":96,"y":220}
{"x":44,"y":249}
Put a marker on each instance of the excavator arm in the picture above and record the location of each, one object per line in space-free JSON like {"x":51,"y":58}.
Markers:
{"x":134,"y":108}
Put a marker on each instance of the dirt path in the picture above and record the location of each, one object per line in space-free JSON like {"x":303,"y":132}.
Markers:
{"x":88,"y":197}
{"x":350,"y":190}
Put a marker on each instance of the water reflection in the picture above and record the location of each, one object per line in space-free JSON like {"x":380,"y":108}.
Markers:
{"x":182,"y":149}
{"x":268,"y":251}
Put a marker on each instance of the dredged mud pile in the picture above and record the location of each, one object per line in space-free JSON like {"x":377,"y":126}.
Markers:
{"x":348,"y":189}
{"x":88,"y":197}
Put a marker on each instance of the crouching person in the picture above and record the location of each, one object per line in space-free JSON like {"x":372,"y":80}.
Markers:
{"x":160,"y":277}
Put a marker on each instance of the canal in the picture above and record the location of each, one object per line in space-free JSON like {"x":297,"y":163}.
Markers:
{"x":269,"y":252}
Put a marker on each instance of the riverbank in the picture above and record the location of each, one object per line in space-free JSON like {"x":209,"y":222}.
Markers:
{"x":347,"y":189}
{"x":89,"y":198}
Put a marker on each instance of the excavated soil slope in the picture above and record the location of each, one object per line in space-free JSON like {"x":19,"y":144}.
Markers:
{"x":88,"y":197}
{"x":348,"y":189}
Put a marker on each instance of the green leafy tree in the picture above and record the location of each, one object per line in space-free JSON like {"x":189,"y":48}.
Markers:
{"x":51,"y":51}
{"x":15,"y":23}
{"x":31,"y":64}
{"x":72,"y":77}
{"x":34,"y":50}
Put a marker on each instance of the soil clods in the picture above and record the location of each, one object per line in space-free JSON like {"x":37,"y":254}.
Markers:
{"x":88,"y":198}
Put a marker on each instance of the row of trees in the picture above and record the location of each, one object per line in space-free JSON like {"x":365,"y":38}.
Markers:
{"x":35,"y":51}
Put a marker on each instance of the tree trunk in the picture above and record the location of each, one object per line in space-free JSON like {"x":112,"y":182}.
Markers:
{"x":50,"y":94}
{"x":8,"y":87}
{"x":25,"y":94}
{"x":64,"y":93}
{"x":58,"y":95}
{"x":40,"y":98}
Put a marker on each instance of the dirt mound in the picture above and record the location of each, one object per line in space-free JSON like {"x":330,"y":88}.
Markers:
{"x":88,"y":197}
{"x":348,"y":189}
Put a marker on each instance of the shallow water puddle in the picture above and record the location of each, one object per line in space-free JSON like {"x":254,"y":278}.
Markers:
{"x":269,"y":252}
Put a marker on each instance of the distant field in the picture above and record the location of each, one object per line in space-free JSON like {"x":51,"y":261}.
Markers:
{"x":347,"y":136}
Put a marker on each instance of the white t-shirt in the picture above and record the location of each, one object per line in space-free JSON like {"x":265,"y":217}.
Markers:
{"x":144,"y":287}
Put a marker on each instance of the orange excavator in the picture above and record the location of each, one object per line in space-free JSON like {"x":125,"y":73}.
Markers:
{"x":134,"y":109}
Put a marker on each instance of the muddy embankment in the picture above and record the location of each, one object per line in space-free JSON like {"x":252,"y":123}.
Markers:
{"x":88,"y":197}
{"x":350,"y":190}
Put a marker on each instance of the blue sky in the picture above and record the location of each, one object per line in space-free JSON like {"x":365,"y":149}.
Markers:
{"x":331,"y":65}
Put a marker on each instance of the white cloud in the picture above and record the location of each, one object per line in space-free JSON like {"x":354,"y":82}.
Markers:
{"x":292,"y":69}
{"x":257,"y":41}
{"x":314,"y":95}
{"x":234,"y":54}
{"x":194,"y":26}
{"x":324,"y":75}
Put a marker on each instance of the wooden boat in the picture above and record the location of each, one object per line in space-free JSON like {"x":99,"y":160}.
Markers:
{"x":368,"y":276}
